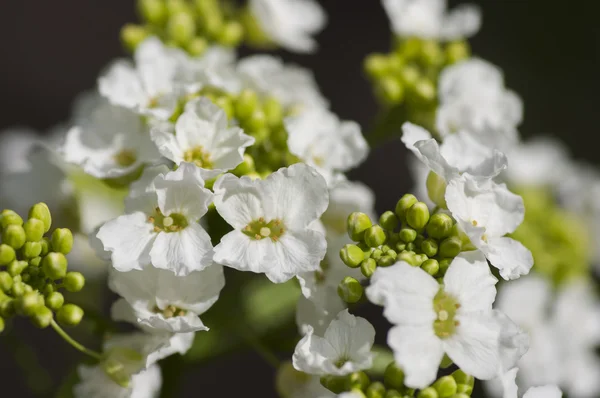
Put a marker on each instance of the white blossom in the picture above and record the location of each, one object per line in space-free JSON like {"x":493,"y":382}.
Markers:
{"x":430,"y":19}
{"x":160,"y":299}
{"x":486,"y":212}
{"x":510,"y":388}
{"x":95,"y":383}
{"x":271,"y":220}
{"x":344,"y":348}
{"x":161,"y":226}
{"x":317,"y":312}
{"x":290,"y":23}
{"x":203,"y":137}
{"x":455,"y":318}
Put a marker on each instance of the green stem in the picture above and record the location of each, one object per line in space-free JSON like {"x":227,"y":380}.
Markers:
{"x":74,"y":343}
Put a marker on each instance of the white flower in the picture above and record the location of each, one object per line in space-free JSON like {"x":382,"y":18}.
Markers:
{"x":317,"y":312}
{"x":161,"y":227}
{"x":429,"y":19}
{"x":455,"y":318}
{"x":215,"y":69}
{"x":510,"y":388}
{"x":290,"y":23}
{"x":149,"y":86}
{"x":473,"y":99}
{"x":271,"y":220}
{"x":95,"y":383}
{"x":346,"y":197}
{"x":320,"y":139}
{"x":293,"y":86}
{"x":15,"y":145}
{"x":112,"y":142}
{"x":487,"y":211}
{"x":344,"y":348}
{"x":203,"y":137}
{"x":162,"y":300}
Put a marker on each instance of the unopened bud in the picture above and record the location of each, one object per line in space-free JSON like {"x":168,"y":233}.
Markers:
{"x":70,"y":315}
{"x":245,"y":104}
{"x":428,"y":392}
{"x":357,"y":224}
{"x":14,"y":236}
{"x":16,"y":267}
{"x":62,"y":240}
{"x":431,"y":53}
{"x":376,"y":390}
{"x":388,"y":220}
{"x":153,"y":11}
{"x":350,"y":290}
{"x":55,"y":300}
{"x":445,"y":386}
{"x":54,"y":265}
{"x":425,"y":90}
{"x":357,"y":380}
{"x":197,"y":46}
{"x":431,"y":266}
{"x":407,"y":235}
{"x":352,"y":255}
{"x":394,"y":376}
{"x":31,"y":250}
{"x":181,"y":28}
{"x":6,"y":281}
{"x":429,"y":247}
{"x":231,"y":34}
{"x":29,"y":302}
{"x":335,"y":384}
{"x":418,"y":215}
{"x":408,"y":257}
{"x":41,"y":317}
{"x":74,"y":281}
{"x":375,"y":236}
{"x":386,"y":261}
{"x":450,"y":247}
{"x":377,"y":65}
{"x":436,"y":189}
{"x":41,"y":212}
{"x":440,"y":226}
{"x":7,"y":254}
{"x":132,"y":35}
{"x":457,"y":51}
{"x":390,"y":90}
{"x":393,"y":394}
{"x":9,"y":217}
{"x":464,"y":381}
{"x":368,"y":266}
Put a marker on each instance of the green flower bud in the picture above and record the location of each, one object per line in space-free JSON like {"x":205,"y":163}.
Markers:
{"x":392,"y":254}
{"x":408,"y":257}
{"x":41,"y":317}
{"x":74,"y":281}
{"x":352,"y":255}
{"x":246,"y":167}
{"x":429,"y":247}
{"x":386,"y":261}
{"x":375,"y":236}
{"x":29,"y":302}
{"x":357,"y":224}
{"x":197,"y":46}
{"x":31,"y":250}
{"x":6,"y":281}
{"x":436,"y":189}
{"x":54,"y":265}
{"x":40,"y":211}
{"x":394,"y":376}
{"x":17,"y":267}
{"x":132,"y":35}
{"x":377,"y":65}
{"x":418,"y":215}
{"x":457,"y":51}
{"x":257,"y":122}
{"x":357,"y":380}
{"x":410,"y":75}
{"x":425,"y":90}
{"x":245,"y":104}
{"x":70,"y":315}
{"x":273,"y":111}
{"x":440,"y":226}
{"x":1,"y":324}
{"x":444,"y":264}
{"x":450,"y":247}
{"x":428,"y":392}
{"x":48,"y":289}
{"x":368,"y":266}
{"x":376,"y":254}
{"x":231,"y":34}
{"x":55,"y":300}
{"x":431,"y":53}
{"x":45,"y":243}
{"x":393,"y":394}
{"x":410,"y":48}
{"x":14,"y":236}
{"x":388,"y":220}
{"x":153,"y":11}
{"x":445,"y":386}
{"x":400,"y":247}
{"x":463,"y":390}
{"x":350,"y":290}
{"x":335,"y":384}
{"x":9,"y":217}
{"x":405,"y":203}
{"x":226,"y":103}
{"x":376,"y":390}
{"x":181,"y":28}
{"x":420,"y":259}
{"x":18,"y":289}
{"x":390,"y":90}
{"x":431,"y":266}
{"x":463,"y":379}
{"x":35,"y":262}
{"x":460,"y":395}
{"x":7,"y":254}
{"x":407,"y":235}
{"x":7,"y":307}
{"x":62,"y":240}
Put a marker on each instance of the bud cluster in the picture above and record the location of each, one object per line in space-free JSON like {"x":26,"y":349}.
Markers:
{"x":33,"y":268}
{"x":456,"y":385}
{"x":410,"y":234}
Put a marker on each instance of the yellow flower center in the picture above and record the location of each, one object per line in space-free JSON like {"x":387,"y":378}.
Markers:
{"x":174,"y":222}
{"x":199,"y":157}
{"x":170,"y":311}
{"x":125,"y":158}
{"x":260,"y":229}
{"x":445,"y":307}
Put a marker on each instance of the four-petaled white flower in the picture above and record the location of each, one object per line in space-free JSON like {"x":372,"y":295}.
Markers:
{"x":112,"y":142}
{"x":95,"y":383}
{"x":162,"y":300}
{"x":161,"y":225}
{"x":455,"y":318}
{"x":271,"y":220}
{"x":486,"y":212}
{"x":429,"y":19}
{"x":203,"y":137}
{"x":320,"y":139}
{"x":290,"y":23}
{"x":150,"y":85}
{"x":510,"y":388}
{"x":344,"y":348}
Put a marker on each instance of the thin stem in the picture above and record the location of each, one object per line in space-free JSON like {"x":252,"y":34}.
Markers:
{"x":74,"y":343}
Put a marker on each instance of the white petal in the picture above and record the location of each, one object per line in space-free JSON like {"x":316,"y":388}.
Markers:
{"x":463,"y":21}
{"x":352,"y":338}
{"x":238,"y":200}
{"x":184,"y":251}
{"x":129,"y":238}
{"x":313,"y":354}
{"x":318,"y":311}
{"x":239,"y":251}
{"x":526,"y":300}
{"x":406,"y":292}
{"x":167,"y":144}
{"x":509,"y":383}
{"x":543,"y":392}
{"x":418,"y":351}
{"x":296,"y":252}
{"x":514,"y":342}
{"x":411,"y":134}
{"x":470,"y":281}
{"x":121,"y":85}
{"x":145,"y":184}
{"x":177,"y":324}
{"x":464,"y":152}
{"x":509,"y":256}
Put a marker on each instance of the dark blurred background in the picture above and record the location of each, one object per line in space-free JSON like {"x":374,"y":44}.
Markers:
{"x":52,"y":50}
